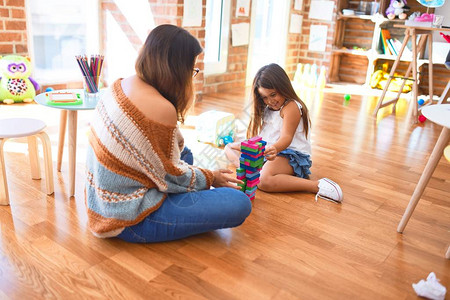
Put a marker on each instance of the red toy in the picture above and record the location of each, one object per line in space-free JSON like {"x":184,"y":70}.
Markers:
{"x":446,"y":37}
{"x":422,"y":118}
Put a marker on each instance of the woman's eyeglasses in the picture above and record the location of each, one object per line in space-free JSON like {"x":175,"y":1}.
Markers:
{"x":196,"y":70}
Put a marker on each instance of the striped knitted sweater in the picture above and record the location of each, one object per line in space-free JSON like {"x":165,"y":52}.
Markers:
{"x":132,"y":164}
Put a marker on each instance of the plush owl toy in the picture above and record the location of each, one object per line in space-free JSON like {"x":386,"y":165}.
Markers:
{"x":16,"y":85}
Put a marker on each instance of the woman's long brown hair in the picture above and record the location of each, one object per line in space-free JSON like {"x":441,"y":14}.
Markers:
{"x":272,"y":77}
{"x":166,"y":62}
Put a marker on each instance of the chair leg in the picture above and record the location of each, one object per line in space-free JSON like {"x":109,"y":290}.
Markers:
{"x":445,"y":94}
{"x":447,"y":255}
{"x":47,"y":149}
{"x":34,"y":159}
{"x":4,"y":195}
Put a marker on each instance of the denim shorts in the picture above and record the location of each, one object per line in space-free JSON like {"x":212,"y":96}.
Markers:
{"x":300,"y":162}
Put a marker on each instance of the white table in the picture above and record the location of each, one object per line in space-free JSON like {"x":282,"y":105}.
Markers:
{"x":72,"y":111}
{"x":439,"y":114}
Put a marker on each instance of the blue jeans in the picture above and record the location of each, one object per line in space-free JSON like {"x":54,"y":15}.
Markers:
{"x":185,"y":214}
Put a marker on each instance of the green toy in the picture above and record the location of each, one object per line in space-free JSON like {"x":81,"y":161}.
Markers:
{"x":16,"y":85}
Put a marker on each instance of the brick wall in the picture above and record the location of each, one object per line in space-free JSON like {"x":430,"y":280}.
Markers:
{"x":297,"y":51}
{"x":14,"y":39}
{"x":13,"y":28}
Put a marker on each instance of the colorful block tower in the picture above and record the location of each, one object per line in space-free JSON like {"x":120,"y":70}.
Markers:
{"x":251,"y":162}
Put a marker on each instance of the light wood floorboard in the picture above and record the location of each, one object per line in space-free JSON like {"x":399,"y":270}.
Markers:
{"x":290,"y":247}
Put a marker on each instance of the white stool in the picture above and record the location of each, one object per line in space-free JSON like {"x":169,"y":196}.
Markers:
{"x":30,"y":128}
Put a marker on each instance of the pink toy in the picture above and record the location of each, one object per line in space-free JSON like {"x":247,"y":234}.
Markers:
{"x":255,"y":139}
{"x":424,"y":18}
{"x":422,"y":118}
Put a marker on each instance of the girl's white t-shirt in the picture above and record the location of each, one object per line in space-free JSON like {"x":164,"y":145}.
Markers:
{"x":271,"y":130}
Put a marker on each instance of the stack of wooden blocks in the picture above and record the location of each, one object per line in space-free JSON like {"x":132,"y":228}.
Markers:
{"x":251,"y":162}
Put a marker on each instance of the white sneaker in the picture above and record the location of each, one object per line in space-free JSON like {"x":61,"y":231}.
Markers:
{"x":329,"y":190}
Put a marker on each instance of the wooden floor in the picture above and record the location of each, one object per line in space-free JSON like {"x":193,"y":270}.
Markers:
{"x":290,"y":247}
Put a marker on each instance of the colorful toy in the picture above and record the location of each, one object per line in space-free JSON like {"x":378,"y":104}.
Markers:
{"x":225,"y":140}
{"x":379,"y":79}
{"x":431,"y":3}
{"x":420,"y":101}
{"x":251,"y":162}
{"x":396,"y":9}
{"x":216,"y":127}
{"x":445,"y":36}
{"x":447,"y":152}
{"x":16,"y":85}
{"x":63,"y":98}
{"x":422,"y":118}
{"x":425,"y":18}
{"x":346,"y":100}
{"x":49,"y":89}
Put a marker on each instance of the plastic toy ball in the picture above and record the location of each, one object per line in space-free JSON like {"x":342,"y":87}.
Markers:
{"x":421,"y":101}
{"x":49,"y":89}
{"x":347,"y":97}
{"x":422,"y":118}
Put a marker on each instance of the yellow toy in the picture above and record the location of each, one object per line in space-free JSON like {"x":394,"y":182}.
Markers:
{"x":16,"y":85}
{"x":379,"y":79}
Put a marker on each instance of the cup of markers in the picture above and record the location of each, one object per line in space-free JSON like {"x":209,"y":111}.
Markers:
{"x":91,"y":70}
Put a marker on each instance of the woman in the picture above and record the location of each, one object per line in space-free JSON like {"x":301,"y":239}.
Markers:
{"x":138,"y":187}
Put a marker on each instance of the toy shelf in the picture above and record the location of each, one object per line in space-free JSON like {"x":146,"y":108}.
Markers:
{"x":362,"y":31}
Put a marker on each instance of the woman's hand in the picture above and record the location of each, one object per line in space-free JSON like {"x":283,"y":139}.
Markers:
{"x":271,"y":152}
{"x":221,"y":179}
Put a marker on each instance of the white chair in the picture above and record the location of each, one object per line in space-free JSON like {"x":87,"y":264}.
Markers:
{"x":446,"y":93}
{"x":30,"y":128}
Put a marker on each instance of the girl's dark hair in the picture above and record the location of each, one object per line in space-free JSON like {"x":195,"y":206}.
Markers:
{"x":166,"y":62}
{"x":272,"y":77}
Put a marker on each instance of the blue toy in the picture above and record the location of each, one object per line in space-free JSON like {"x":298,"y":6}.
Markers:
{"x":49,"y":89}
{"x":225,"y":140}
{"x":421,"y":101}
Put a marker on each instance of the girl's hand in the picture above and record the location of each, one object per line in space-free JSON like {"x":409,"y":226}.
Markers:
{"x":235,"y":146}
{"x":221,"y":179}
{"x":271,"y":152}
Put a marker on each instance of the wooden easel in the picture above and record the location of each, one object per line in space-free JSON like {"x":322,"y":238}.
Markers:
{"x":418,"y":47}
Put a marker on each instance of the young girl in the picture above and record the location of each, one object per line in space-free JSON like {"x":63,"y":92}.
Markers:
{"x":282,"y":120}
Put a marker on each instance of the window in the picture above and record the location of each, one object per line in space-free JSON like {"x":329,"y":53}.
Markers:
{"x":269,"y":24}
{"x":61,"y":29}
{"x":216,"y":36}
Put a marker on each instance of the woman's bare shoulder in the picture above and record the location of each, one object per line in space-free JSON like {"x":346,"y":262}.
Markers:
{"x":149,"y":101}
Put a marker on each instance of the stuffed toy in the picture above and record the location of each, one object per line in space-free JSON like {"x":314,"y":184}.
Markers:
{"x":16,"y":85}
{"x":379,"y":79}
{"x":397,"y":8}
